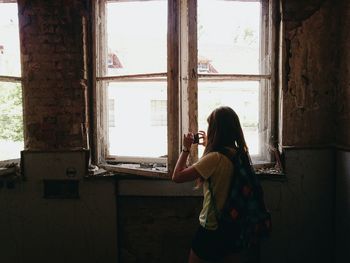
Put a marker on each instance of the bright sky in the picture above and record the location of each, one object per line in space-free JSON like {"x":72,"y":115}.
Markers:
{"x":8,"y":12}
{"x":137,"y":31}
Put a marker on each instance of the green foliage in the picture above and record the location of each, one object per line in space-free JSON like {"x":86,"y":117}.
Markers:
{"x":245,"y":36}
{"x":11,"y":121}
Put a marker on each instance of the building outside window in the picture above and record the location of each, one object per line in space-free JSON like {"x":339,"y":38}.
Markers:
{"x":11,"y":115}
{"x":159,"y":113}
{"x":184,"y":68}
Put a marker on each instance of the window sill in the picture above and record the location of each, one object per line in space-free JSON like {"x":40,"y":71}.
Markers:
{"x":265,"y":171}
{"x":136,"y":170}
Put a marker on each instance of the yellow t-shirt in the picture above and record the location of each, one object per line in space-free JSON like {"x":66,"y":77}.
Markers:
{"x":220,"y":169}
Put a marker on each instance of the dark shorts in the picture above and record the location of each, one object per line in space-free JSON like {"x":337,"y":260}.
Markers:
{"x":212,"y":245}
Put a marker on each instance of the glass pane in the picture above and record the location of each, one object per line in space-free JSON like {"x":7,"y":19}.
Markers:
{"x":9,"y":40}
{"x":137,"y":37}
{"x":139,"y":118}
{"x":11,"y":122}
{"x":228,"y":37}
{"x":242,"y":97}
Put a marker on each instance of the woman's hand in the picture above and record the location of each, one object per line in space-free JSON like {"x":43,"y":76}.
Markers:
{"x":202,"y":138}
{"x":181,"y":172}
{"x":188,"y":140}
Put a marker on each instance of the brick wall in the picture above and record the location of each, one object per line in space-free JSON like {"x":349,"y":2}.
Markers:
{"x":54,"y":86}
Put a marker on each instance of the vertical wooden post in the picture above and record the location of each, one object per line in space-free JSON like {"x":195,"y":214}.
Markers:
{"x":173,"y":84}
{"x":192,"y":88}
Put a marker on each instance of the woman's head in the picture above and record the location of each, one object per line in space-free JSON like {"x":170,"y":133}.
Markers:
{"x":224,"y":129}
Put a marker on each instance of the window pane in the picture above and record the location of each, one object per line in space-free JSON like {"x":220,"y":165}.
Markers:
{"x":137,"y":37}
{"x":140,"y":119}
{"x":242,"y":97}
{"x":9,"y":40}
{"x":228,"y":37}
{"x":11,"y":123}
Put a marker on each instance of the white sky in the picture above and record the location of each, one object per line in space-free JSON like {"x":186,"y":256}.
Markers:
{"x":137,"y":31}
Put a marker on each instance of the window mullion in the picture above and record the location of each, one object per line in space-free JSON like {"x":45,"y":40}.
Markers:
{"x":100,"y":102}
{"x":188,"y":69}
{"x":173,"y":83}
{"x":192,"y":89}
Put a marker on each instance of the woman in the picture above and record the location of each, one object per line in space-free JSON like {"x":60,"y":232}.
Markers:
{"x":224,"y":132}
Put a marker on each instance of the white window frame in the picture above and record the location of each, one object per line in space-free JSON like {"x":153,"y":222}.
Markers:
{"x":182,"y":79}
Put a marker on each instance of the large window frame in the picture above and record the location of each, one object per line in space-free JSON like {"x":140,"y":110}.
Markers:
{"x":182,"y":84}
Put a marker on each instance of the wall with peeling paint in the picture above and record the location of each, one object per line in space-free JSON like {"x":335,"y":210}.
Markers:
{"x":343,"y":87}
{"x":311,"y":74}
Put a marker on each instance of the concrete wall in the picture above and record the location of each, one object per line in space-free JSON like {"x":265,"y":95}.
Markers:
{"x":342,"y":217}
{"x":34,"y":229}
{"x":302,"y":209}
{"x":156,"y":229}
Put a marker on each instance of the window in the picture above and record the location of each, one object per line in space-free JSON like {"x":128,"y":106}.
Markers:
{"x":170,"y":63}
{"x":11,"y":120}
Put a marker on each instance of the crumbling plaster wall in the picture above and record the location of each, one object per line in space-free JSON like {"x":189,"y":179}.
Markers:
{"x":311,"y":74}
{"x":343,"y":87}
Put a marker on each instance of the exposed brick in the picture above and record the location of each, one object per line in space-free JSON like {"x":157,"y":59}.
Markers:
{"x":52,"y":49}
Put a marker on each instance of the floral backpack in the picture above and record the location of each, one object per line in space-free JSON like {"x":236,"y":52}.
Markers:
{"x":244,"y":216}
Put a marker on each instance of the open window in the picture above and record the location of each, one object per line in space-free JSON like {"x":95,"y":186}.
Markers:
{"x":11,"y":112}
{"x":163,"y":65}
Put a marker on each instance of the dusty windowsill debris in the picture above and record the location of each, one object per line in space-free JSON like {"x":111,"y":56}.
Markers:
{"x":157,"y":167}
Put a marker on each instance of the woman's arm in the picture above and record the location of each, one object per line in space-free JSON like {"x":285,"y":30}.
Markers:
{"x":182,"y":173}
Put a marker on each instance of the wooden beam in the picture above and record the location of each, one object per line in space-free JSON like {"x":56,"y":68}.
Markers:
{"x":173,"y":84}
{"x":192,"y":88}
{"x":10,"y":79}
{"x":239,"y":77}
{"x":131,"y":77}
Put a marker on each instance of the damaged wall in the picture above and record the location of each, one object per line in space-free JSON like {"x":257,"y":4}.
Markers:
{"x":54,"y":76}
{"x":34,"y":229}
{"x":311,"y":73}
{"x":343,"y":87}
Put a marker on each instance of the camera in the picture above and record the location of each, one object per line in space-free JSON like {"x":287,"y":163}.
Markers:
{"x":196,"y":138}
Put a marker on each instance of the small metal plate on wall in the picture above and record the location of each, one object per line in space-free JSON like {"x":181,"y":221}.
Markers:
{"x":61,"y":189}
